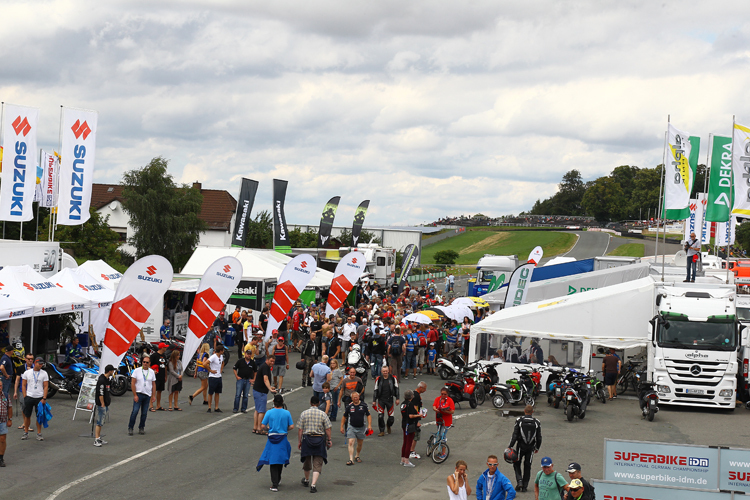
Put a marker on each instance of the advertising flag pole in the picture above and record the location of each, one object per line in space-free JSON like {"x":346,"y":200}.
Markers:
{"x":662,"y":201}
{"x":2,"y":122}
{"x":731,"y":197}
{"x":706,"y":173}
{"x":59,"y":148}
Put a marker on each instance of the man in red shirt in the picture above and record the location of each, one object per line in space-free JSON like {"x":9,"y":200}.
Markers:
{"x":444,"y":409}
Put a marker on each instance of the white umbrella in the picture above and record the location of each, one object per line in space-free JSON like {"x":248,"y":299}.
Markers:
{"x":418,"y":318}
{"x":459,"y":312}
{"x":463,"y":301}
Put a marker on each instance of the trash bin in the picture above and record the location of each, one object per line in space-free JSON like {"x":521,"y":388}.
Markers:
{"x":471,"y":283}
{"x":229,"y":337}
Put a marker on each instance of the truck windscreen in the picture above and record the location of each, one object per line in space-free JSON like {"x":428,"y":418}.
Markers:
{"x":682,"y":334}
{"x":743,"y":314}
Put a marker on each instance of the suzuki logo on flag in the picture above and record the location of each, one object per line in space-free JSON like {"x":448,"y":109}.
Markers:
{"x":82,"y":288}
{"x":80,"y":129}
{"x":693,"y":206}
{"x":151,"y":270}
{"x":303,"y":265}
{"x":205,"y":307}
{"x":282,"y":301}
{"x":125,"y":321}
{"x":21,"y":127}
{"x":28,"y":287}
{"x":227,"y":268}
{"x":339,"y":290}
{"x":354,"y":260}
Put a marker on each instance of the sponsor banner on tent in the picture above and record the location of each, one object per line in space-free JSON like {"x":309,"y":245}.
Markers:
{"x":741,"y":168}
{"x":281,"y":241}
{"x":292,"y":281}
{"x":217,"y":284}
{"x":348,"y":271}
{"x":679,"y":177}
{"x":140,"y":289}
{"x":359,"y":221}
{"x":694,"y":220}
{"x":518,"y":286}
{"x":244,"y":206}
{"x":725,"y":232}
{"x":720,"y":180}
{"x":76,"y":166}
{"x":19,"y":159}
{"x":49,"y":180}
{"x":326,"y":220}
{"x":248,"y":294}
{"x":411,"y":254}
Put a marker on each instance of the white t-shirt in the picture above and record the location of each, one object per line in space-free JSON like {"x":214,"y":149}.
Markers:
{"x":215,"y":362}
{"x":144,"y":380}
{"x":35,"y":382}
{"x":349,"y":330}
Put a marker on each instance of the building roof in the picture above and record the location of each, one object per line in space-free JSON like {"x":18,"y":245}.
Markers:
{"x":217,"y":209}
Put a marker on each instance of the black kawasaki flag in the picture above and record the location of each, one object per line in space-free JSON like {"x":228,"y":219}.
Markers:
{"x":411,"y":254}
{"x":359,"y":220}
{"x":244,"y":207}
{"x":280,"y":231}
{"x":326,"y":221}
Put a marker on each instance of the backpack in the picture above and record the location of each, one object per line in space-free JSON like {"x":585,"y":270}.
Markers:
{"x":527,"y":430}
{"x":396,"y":349}
{"x":422,"y":340}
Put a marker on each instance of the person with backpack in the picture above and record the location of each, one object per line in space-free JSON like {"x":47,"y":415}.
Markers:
{"x":396,"y":352}
{"x":549,"y":484}
{"x":587,"y":490}
{"x":411,"y":355}
{"x":527,"y":438}
{"x":421,"y":347}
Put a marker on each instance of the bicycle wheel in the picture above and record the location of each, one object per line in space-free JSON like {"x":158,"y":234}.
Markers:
{"x":622,"y":384}
{"x":430,"y":444}
{"x":479,"y":391}
{"x":441,"y":452}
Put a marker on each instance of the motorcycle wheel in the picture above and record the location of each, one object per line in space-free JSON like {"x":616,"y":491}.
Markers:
{"x":602,"y":397}
{"x":190,"y":370}
{"x":622,"y":385}
{"x":473,"y":401}
{"x":550,"y":399}
{"x":443,"y":372}
{"x":651,"y":414}
{"x":530,"y":401}
{"x":119,"y":386}
{"x":441,"y":452}
{"x":52,"y":387}
{"x":480,"y":394}
{"x":556,"y":403}
{"x":498,"y":401}
{"x":570,"y":413}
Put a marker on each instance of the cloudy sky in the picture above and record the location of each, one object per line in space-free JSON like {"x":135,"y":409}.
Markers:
{"x":428,"y":108}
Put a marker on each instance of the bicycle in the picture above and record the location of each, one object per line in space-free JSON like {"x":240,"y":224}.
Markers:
{"x":437,"y":445}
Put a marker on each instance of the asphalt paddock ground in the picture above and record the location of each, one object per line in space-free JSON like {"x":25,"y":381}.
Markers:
{"x":193,"y":454}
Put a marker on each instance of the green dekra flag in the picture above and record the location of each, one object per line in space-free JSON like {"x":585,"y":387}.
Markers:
{"x":720,"y":181}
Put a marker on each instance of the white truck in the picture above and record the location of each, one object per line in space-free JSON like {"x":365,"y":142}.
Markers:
{"x":493,"y":271}
{"x":695,"y":339}
{"x":44,"y":257}
{"x":743,"y":316}
{"x":381,"y":263}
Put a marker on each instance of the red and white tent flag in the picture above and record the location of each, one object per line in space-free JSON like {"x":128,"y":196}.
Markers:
{"x":19,"y":162}
{"x":76,"y":166}
{"x":140,"y":289}
{"x":217,"y":284}
{"x":293,"y":280}
{"x":348,"y":271}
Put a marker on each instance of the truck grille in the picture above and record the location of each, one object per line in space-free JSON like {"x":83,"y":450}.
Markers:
{"x":697,"y":373}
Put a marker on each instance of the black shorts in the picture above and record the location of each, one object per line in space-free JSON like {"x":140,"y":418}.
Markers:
{"x":610,"y":378}
{"x":160,"y":385}
{"x":29,"y":405}
{"x":214,"y":385}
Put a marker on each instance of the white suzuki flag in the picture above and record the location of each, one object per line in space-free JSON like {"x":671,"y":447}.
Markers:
{"x":694,"y":221}
{"x":292,"y":281}
{"x":49,"y":180}
{"x":217,"y":284}
{"x":678,"y":181}
{"x":348,"y":271}
{"x":141,"y":288}
{"x":19,"y":163}
{"x":702,"y":223}
{"x":741,"y":170}
{"x":76,"y":166}
{"x":725,"y":232}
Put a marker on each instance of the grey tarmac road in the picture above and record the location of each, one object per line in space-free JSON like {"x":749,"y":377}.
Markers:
{"x":192,"y":454}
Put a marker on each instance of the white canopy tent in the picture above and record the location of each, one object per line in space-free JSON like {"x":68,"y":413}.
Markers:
{"x":102,"y":272}
{"x":100,"y":297}
{"x":12,"y":309}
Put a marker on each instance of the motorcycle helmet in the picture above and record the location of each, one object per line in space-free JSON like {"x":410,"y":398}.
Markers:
{"x":510,"y":456}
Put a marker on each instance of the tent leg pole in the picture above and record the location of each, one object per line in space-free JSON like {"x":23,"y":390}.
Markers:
{"x":31,"y":337}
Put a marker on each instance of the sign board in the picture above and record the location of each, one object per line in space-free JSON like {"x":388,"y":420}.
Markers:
{"x":734,"y":473}
{"x":87,"y":397}
{"x":608,"y":490}
{"x":42,"y":257}
{"x":153,"y":323}
{"x":181,"y":323}
{"x":249,"y":295}
{"x":661,"y":464}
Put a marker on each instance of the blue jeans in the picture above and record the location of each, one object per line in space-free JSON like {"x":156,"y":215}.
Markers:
{"x":691,"y":264}
{"x":243,"y":386}
{"x":142,"y":405}
{"x":334,"y":404}
{"x":376,"y":362}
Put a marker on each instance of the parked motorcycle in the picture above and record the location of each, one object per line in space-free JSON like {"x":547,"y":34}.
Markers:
{"x":66,"y":379}
{"x":576,"y":398}
{"x":517,"y":390}
{"x":648,"y":399}
{"x":451,"y":365}
{"x":554,"y":383}
{"x":597,"y":387}
{"x":465,"y":388}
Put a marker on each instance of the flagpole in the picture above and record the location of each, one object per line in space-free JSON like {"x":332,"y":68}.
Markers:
{"x":2,"y":123}
{"x":660,"y":202}
{"x":705,"y":191}
{"x":663,"y":203}
{"x":731,"y":197}
{"x":59,"y":148}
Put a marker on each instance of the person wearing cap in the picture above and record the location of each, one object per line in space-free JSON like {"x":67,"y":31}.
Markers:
{"x":574,"y":472}
{"x":277,"y":422}
{"x":103,"y":399}
{"x":35,"y":386}
{"x":548,"y":483}
{"x":159,"y":366}
{"x":575,"y":490}
{"x":693,"y":247}
{"x":493,"y":485}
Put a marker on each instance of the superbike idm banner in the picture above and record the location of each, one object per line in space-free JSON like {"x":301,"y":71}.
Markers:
{"x":19,"y":162}
{"x":326,"y":220}
{"x":411,"y":254}
{"x":607,"y":490}
{"x":280,"y":230}
{"x":359,"y":221}
{"x":244,"y":207}
{"x":661,"y":464}
{"x":76,"y":166}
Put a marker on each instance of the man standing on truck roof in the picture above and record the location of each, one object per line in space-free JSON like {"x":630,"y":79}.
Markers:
{"x":693,"y":248}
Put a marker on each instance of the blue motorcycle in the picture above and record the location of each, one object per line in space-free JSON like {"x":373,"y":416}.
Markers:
{"x":67,"y":379}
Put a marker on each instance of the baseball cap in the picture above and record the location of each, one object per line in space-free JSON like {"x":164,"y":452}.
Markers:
{"x":574,"y":466}
{"x":575,"y":484}
{"x":162,"y":345}
{"x":280,"y":339}
{"x":39,"y":360}
{"x":546,"y":462}
{"x":221,"y":313}
{"x":274,"y":331}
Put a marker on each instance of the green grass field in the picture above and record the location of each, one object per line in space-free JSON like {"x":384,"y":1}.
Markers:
{"x":629,"y":250}
{"x":473,"y":245}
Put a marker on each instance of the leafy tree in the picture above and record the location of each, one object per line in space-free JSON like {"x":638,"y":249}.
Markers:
{"x":605,"y":200}
{"x":164,"y":215}
{"x":448,"y":257}
{"x":742,"y":235}
{"x":567,"y":200}
{"x":91,"y":240}
{"x":308,"y":239}
{"x":644,"y":199}
{"x":364,"y":237}
{"x":700,"y":183}
{"x":260,"y":231}
{"x":625,"y":176}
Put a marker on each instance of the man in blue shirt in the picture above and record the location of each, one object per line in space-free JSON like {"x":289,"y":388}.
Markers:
{"x":492,"y":485}
{"x":165,"y":331}
{"x":411,"y":358}
{"x":73,"y":351}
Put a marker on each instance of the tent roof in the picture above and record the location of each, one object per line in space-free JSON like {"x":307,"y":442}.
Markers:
{"x":616,"y":315}
{"x":102,"y":272}
{"x":25,"y":285}
{"x":81,"y":283}
{"x":12,"y":309}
